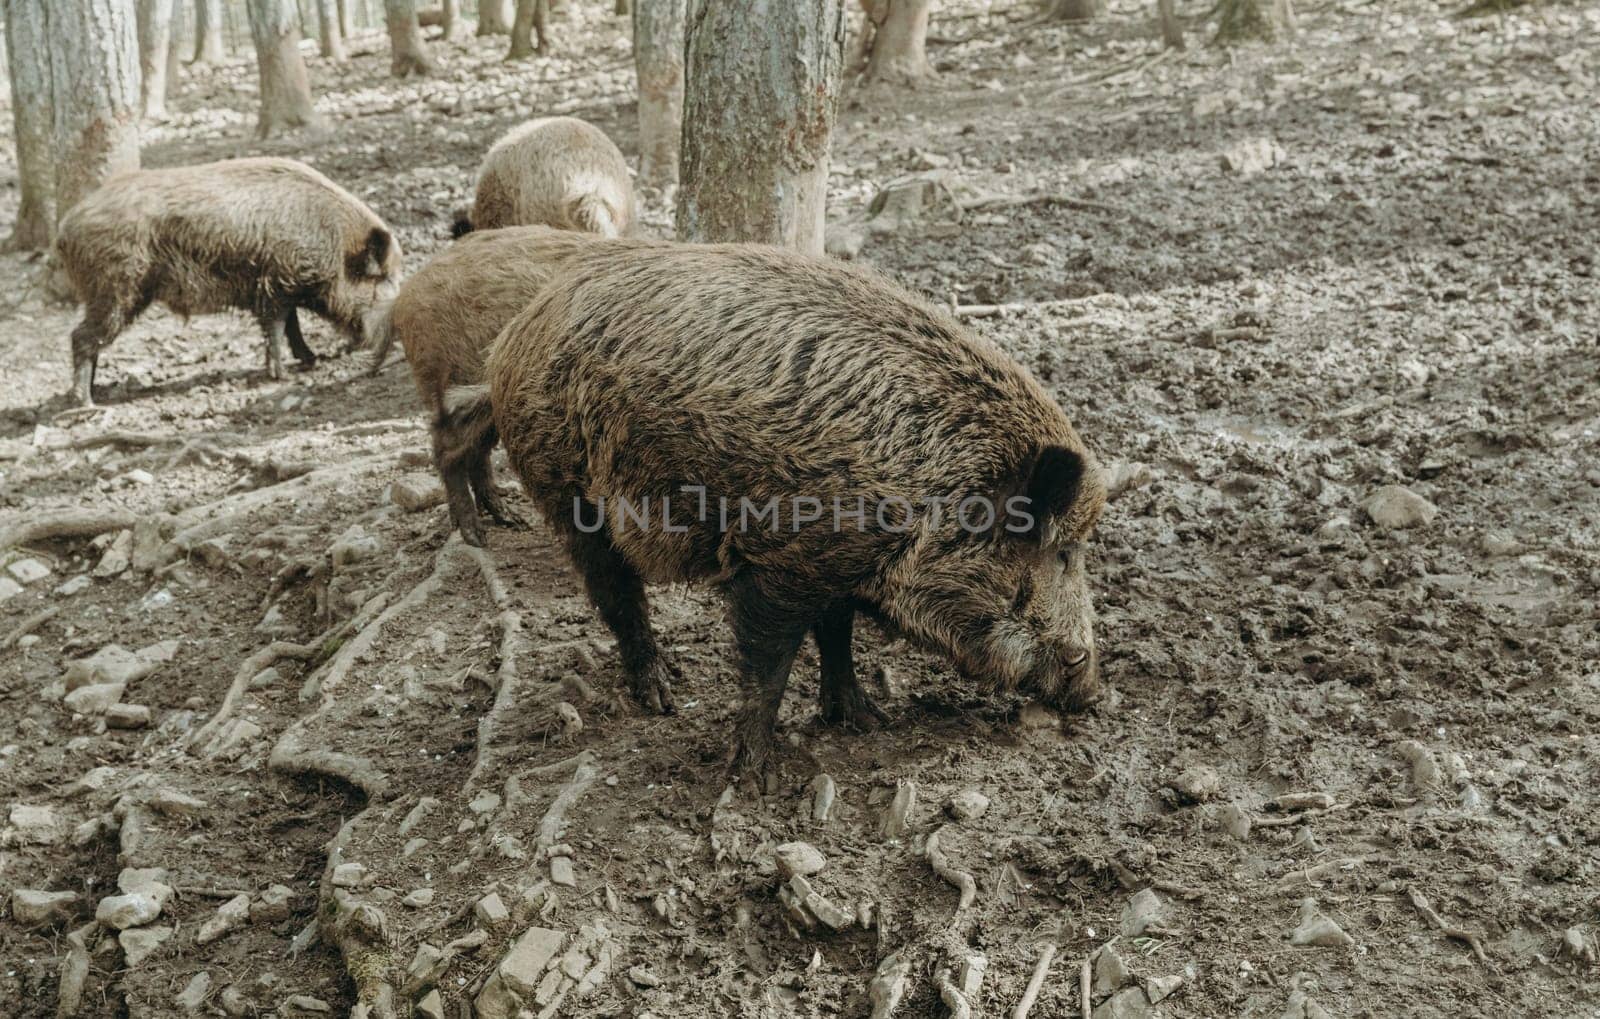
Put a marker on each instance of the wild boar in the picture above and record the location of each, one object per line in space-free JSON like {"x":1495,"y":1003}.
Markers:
{"x":266,"y":236}
{"x":813,"y":440}
{"x":445,"y":317}
{"x":554,"y":171}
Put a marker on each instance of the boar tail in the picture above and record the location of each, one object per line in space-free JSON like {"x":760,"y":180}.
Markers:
{"x":377,"y":332}
{"x":461,"y":223}
{"x":465,"y":422}
{"x":592,"y":213}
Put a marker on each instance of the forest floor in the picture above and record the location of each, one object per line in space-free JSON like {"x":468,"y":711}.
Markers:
{"x":1265,"y":282}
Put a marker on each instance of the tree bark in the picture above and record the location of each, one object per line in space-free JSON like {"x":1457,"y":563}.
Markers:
{"x":622,"y":8}
{"x":154,"y":18}
{"x":533,"y":18}
{"x":330,"y":36}
{"x":895,"y":41}
{"x":409,"y":54}
{"x":1076,"y":10}
{"x":450,"y":23}
{"x":181,"y":17}
{"x":94,"y":79}
{"x":1266,"y":20}
{"x":494,"y":17}
{"x":658,"y":61}
{"x":208,"y":48}
{"x":285,"y":88}
{"x":1171,"y":27}
{"x":762,"y":91}
{"x":28,"y":60}
{"x":346,"y":27}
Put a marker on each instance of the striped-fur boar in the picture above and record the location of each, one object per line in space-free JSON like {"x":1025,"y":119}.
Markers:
{"x":554,"y":171}
{"x":266,"y":236}
{"x":688,"y":378}
{"x":445,"y":317}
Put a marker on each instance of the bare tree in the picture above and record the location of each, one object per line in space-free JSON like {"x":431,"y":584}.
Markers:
{"x":658,"y":61}
{"x":285,"y":87}
{"x":494,"y":17}
{"x":154,"y":18}
{"x":450,"y":23}
{"x":762,"y":90}
{"x":409,"y":54}
{"x":1075,"y":10}
{"x":330,"y":38}
{"x":894,"y":41}
{"x":208,"y":48}
{"x":622,"y":8}
{"x":533,"y":18}
{"x":181,"y":18}
{"x":94,"y":83}
{"x":1238,"y":20}
{"x":346,"y":28}
{"x":1171,"y":27}
{"x":28,"y":59}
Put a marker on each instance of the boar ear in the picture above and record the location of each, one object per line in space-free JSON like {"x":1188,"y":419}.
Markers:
{"x":1053,"y":483}
{"x":378,"y":242}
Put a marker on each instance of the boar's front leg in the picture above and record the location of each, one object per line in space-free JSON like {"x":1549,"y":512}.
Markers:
{"x":102,"y":321}
{"x":481,"y":477}
{"x":297,"y":342}
{"x":843,"y":701}
{"x":273,"y":324}
{"x":618,"y":593}
{"x":767,"y":632}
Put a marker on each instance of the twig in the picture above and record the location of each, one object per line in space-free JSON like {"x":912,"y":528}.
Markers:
{"x":951,"y":995}
{"x":945,"y":869}
{"x":211,"y":893}
{"x":1180,"y":891}
{"x":67,"y":523}
{"x":1035,"y":982}
{"x":241,"y":682}
{"x":1042,"y":198}
{"x":1317,"y":873}
{"x":33,"y":622}
{"x":1288,"y":819}
{"x":1084,"y":976}
{"x":1435,"y":920}
{"x":555,"y":818}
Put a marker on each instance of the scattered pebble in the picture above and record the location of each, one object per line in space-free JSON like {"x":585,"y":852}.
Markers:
{"x":94,"y":699}
{"x":799,"y":858}
{"x":823,"y":792}
{"x":34,"y":826}
{"x":1395,"y":507}
{"x":1198,"y":784}
{"x":643,"y":977}
{"x":349,"y":875}
{"x":1142,"y":910}
{"x":1110,"y":972}
{"x":430,"y":1007}
{"x":230,"y":915}
{"x":490,"y":911}
{"x":194,"y":994}
{"x":415,"y":492}
{"x":127,"y":716}
{"x":561,"y":872}
{"x":33,"y":908}
{"x":138,"y":943}
{"x":26,"y":571}
{"x":895,"y":818}
{"x":418,"y":898}
{"x":1317,"y":928}
{"x":273,"y":906}
{"x":967,"y":805}
{"x":1251,"y":156}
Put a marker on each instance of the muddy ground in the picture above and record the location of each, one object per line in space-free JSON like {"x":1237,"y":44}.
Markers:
{"x":1266,"y":283}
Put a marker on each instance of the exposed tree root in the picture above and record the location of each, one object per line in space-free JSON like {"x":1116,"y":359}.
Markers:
{"x":291,"y":757}
{"x":67,"y":524}
{"x":75,"y":970}
{"x":942,"y":866}
{"x":28,"y":625}
{"x":360,"y":931}
{"x":1437,"y":922}
{"x":1085,"y":975}
{"x":1030,"y":994}
{"x":241,"y":682}
{"x":888,"y":985}
{"x":555,"y":819}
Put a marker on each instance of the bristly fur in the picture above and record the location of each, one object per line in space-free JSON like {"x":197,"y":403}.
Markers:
{"x":555,"y":171}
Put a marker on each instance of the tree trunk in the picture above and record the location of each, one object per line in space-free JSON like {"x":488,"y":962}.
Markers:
{"x":208,"y":47}
{"x":181,"y":16}
{"x":409,"y":52}
{"x":285,"y":88}
{"x":1171,"y":27}
{"x":1075,"y":10}
{"x":94,"y":79}
{"x":895,"y":41}
{"x":451,"y":24}
{"x":1267,"y":20}
{"x":533,"y":18}
{"x":154,"y":18}
{"x":346,"y":29}
{"x":658,"y":62}
{"x":622,"y":8}
{"x":762,"y":92}
{"x":28,"y":60}
{"x":330,"y":37}
{"x":494,"y":17}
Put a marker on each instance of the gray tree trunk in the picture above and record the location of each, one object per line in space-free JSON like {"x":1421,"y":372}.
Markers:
{"x":1267,"y":20}
{"x":408,"y":53}
{"x":895,"y":41}
{"x":94,"y":78}
{"x":285,"y":88}
{"x":1076,"y":10}
{"x":330,"y":37}
{"x":346,"y":27}
{"x":208,"y":48}
{"x":28,"y":60}
{"x":762,"y":91}
{"x":450,"y":23}
{"x":1171,"y":27}
{"x":533,"y":19}
{"x":154,"y":18}
{"x":494,"y":17}
{"x":658,"y":60}
{"x":181,"y":17}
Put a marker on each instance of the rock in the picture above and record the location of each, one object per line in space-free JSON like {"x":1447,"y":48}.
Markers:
{"x":1125,"y":1004}
{"x":430,"y":1007}
{"x":490,"y":911}
{"x":353,"y":546}
{"x":229,"y":915}
{"x":1142,"y":910}
{"x":306,"y":1003}
{"x":349,"y":875}
{"x":1123,"y":476}
{"x":561,"y":872}
{"x":1317,"y":928}
{"x":139,"y":942}
{"x":28,"y":570}
{"x":823,"y":792}
{"x":34,"y":908}
{"x":73,"y":586}
{"x":1159,"y":989}
{"x":1500,"y":543}
{"x":195,"y":992}
{"x":799,"y":858}
{"x":35,"y":826}
{"x":1302,"y":1007}
{"x":1394,"y":507}
{"x":1235,"y":821}
{"x":124,"y":911}
{"x":643,"y":977}
{"x":170,"y":802}
{"x":967,"y":805}
{"x":904,"y":202}
{"x":1110,"y":972}
{"x":895,"y":818}
{"x":1198,"y":784}
{"x":273,"y":906}
{"x":418,"y":814}
{"x":417,"y":898}
{"x":148,"y":545}
{"x":522,"y":967}
{"x":810,"y":907}
{"x":126,"y":716}
{"x":233,"y":1001}
{"x":495,"y":1001}
{"x":843,"y":240}
{"x":151,"y":881}
{"x":1251,"y":156}
{"x":94,"y":699}
{"x":1424,"y":769}
{"x":1578,"y":947}
{"x":117,"y":558}
{"x":116,"y":664}
{"x":415,"y":492}
{"x":9,"y":588}
{"x":468,"y":941}
{"x":265,"y":678}
{"x":485,"y":802}
{"x":427,"y":965}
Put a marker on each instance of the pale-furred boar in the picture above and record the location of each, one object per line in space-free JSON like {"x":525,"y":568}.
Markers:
{"x":445,"y":317}
{"x":554,"y":171}
{"x":266,"y":236}
{"x":813,"y":440}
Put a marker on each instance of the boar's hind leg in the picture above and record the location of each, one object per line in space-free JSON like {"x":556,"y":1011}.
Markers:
{"x":481,"y":477}
{"x":273,"y":324}
{"x":843,"y":700}
{"x":767,"y":633}
{"x":101,"y":323}
{"x":297,"y":343}
{"x":618,"y":593}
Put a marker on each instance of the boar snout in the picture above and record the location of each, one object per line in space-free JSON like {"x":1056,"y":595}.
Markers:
{"x":1076,"y":684}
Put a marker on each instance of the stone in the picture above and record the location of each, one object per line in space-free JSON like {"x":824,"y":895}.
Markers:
{"x":170,"y":802}
{"x":349,"y":875}
{"x":273,"y":906}
{"x":1300,"y":1006}
{"x":1142,"y":910}
{"x":1316,"y":928}
{"x":126,"y":716}
{"x":306,"y":1003}
{"x":265,"y":678}
{"x":233,"y":1001}
{"x":823,"y":793}
{"x":900,"y":808}
{"x":117,"y":558}
{"x":151,"y":881}
{"x":486,"y":802}
{"x":1501,"y":543}
{"x":230,"y":915}
{"x":643,"y":976}
{"x":1251,"y":156}
{"x":1110,"y":972}
{"x":967,"y":805}
{"x":353,"y":546}
{"x":415,"y":492}
{"x":148,"y":545}
{"x":1395,"y":507}
{"x":799,"y":858}
{"x":525,"y":963}
{"x":116,"y":664}
{"x":418,"y":814}
{"x":490,"y":911}
{"x":28,"y":570}
{"x":124,"y":911}
{"x":474,"y":938}
{"x":495,"y":1001}
{"x":561,"y":872}
{"x":195,"y":992}
{"x":35,"y":826}
{"x":418,"y":898}
{"x":138,"y":943}
{"x":1125,"y":1004}
{"x":1235,"y":821}
{"x":1159,"y":989}
{"x":430,"y":1007}
{"x":1197,"y":784}
{"x":9,"y":588}
{"x":427,"y":965}
{"x":33,"y":908}
{"x":73,"y":586}
{"x":94,"y":699}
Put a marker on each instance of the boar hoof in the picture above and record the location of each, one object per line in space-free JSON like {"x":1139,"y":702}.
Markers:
{"x":471,"y":532}
{"x":651,"y":690}
{"x":853,"y":709}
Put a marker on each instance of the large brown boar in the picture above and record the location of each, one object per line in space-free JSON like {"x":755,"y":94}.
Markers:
{"x":266,"y":236}
{"x":445,"y":317}
{"x":813,"y":440}
{"x":554,"y":171}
